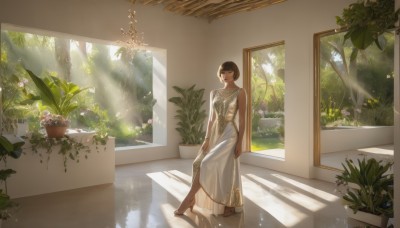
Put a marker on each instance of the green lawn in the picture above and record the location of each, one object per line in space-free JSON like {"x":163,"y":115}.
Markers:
{"x":258,"y":144}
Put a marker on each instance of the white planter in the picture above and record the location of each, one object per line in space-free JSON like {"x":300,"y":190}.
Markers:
{"x":189,"y":151}
{"x":376,"y":220}
{"x":35,"y":178}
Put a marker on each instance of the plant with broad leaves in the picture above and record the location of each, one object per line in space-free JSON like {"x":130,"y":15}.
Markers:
{"x":8,"y":148}
{"x":190,"y":114}
{"x":54,"y":94}
{"x":369,"y":186}
{"x":366,"y":21}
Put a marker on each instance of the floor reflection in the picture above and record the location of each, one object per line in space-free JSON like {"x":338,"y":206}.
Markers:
{"x":146,"y":194}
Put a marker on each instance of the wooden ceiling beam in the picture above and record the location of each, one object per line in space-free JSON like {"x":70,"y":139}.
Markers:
{"x":210,"y":9}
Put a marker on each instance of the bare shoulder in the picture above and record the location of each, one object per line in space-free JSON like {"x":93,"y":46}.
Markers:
{"x":242,"y":92}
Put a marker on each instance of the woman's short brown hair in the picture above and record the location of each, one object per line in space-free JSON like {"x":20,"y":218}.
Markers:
{"x":229,"y":66}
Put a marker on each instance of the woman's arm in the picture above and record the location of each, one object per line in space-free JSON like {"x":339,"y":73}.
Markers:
{"x":242,"y":121}
{"x":211,"y":119}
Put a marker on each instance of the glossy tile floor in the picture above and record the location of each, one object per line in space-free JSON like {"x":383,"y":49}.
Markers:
{"x":146,"y":194}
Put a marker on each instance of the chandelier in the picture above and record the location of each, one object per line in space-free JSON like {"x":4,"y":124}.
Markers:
{"x":132,"y":38}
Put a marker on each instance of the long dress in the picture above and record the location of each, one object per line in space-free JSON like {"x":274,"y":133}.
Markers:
{"x":219,"y":170}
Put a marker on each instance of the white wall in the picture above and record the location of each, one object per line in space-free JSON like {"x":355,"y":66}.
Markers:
{"x":184,"y":38}
{"x":294,"y":22}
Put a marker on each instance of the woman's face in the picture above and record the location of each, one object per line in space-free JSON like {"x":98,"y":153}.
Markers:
{"x":227,"y":76}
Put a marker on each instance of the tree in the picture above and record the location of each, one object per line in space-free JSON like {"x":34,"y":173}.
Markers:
{"x":363,"y":76}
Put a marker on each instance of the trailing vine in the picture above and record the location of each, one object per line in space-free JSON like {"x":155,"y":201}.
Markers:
{"x":67,"y":147}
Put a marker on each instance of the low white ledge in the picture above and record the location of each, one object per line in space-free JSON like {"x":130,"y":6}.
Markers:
{"x":349,"y":138}
{"x":35,"y":178}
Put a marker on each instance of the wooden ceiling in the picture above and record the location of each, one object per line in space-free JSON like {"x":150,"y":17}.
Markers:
{"x":209,"y":9}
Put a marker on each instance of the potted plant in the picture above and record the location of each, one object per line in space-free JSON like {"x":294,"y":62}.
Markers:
{"x":190,"y":116}
{"x":368,"y":190}
{"x":55,"y":125}
{"x":57,"y":96}
{"x":8,"y":148}
{"x":57,"y":100}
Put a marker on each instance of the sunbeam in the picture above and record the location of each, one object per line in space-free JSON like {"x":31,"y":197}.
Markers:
{"x":172,"y":185}
{"x":314,"y":191}
{"x":377,"y":150}
{"x":290,"y":194}
{"x":286,"y":214}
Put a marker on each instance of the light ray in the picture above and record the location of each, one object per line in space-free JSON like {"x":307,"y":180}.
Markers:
{"x":290,"y":194}
{"x":279,"y":209}
{"x":314,"y":191}
{"x":376,"y":150}
{"x":174,"y":186}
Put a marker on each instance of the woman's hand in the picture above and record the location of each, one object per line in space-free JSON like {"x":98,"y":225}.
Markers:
{"x":238,"y":149}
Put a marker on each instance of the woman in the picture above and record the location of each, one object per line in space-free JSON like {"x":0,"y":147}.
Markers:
{"x":216,"y":181}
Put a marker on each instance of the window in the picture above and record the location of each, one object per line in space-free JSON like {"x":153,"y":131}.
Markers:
{"x":354,"y":91}
{"x":121,"y":85}
{"x":265,"y":78}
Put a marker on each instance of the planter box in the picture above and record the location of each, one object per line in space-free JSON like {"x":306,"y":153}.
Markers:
{"x":35,"y":178}
{"x":372,"y":219}
{"x":189,"y":151}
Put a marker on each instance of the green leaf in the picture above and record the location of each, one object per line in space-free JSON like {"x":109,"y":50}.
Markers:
{"x":46,"y":94}
{"x":381,"y":42}
{"x":354,"y":54}
{"x":7,"y":145}
{"x":362,"y":38}
{"x":6,"y":173}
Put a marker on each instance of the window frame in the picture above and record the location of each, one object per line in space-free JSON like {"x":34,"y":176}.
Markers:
{"x":247,"y":85}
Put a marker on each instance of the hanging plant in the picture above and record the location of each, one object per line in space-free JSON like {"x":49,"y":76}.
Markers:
{"x":366,"y":21}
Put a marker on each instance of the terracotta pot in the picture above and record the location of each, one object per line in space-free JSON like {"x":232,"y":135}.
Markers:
{"x":56,"y":131}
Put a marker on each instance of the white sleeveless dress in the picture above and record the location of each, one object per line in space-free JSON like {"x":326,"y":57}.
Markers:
{"x":219,"y":170}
